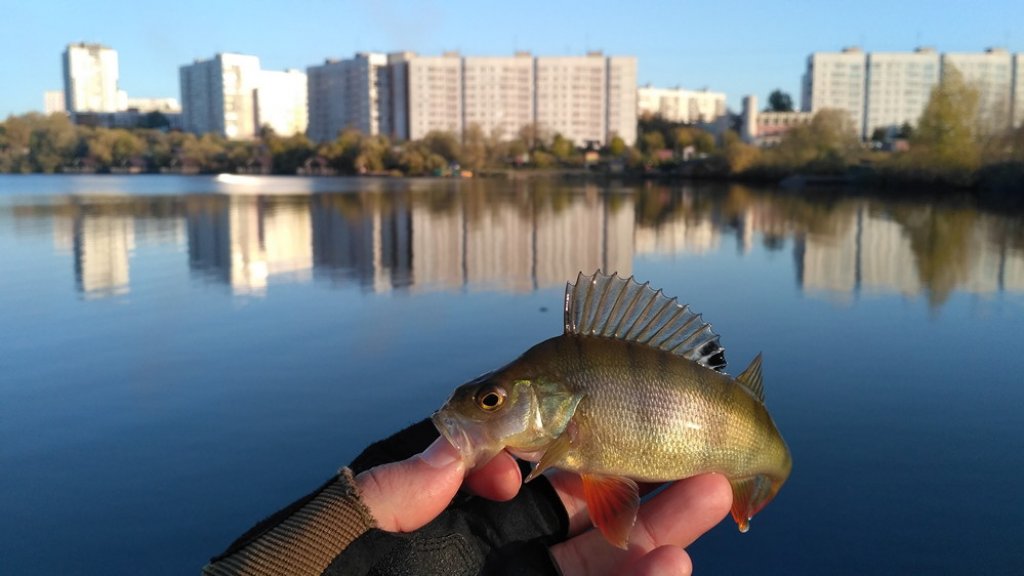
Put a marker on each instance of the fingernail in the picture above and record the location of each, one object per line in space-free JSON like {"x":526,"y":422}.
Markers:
{"x":440,"y":454}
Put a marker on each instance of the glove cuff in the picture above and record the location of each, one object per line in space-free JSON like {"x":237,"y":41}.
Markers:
{"x":302,"y":538}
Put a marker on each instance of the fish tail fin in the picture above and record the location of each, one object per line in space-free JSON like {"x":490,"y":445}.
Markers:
{"x":750,"y":495}
{"x":612,"y":502}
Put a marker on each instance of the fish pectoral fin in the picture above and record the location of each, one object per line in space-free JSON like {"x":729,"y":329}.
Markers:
{"x":613,"y":502}
{"x":555,"y":453}
{"x":749,"y":496}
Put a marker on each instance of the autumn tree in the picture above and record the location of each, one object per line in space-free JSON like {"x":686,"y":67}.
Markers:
{"x":944,"y":139}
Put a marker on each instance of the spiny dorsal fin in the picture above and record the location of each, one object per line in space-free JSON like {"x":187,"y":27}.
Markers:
{"x":751,"y":378}
{"x":622,"y":308}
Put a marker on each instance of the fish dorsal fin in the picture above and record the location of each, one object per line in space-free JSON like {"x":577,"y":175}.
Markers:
{"x":622,"y":308}
{"x":751,"y":378}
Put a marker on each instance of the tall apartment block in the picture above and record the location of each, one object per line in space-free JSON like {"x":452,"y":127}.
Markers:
{"x":587,"y":99}
{"x":991,"y":72}
{"x":497,"y":94}
{"x":898,"y":87}
{"x":217,"y":95}
{"x":622,"y":82}
{"x":90,"y":79}
{"x":888,"y":89}
{"x":281,"y":102}
{"x":351,"y":93}
{"x":584,"y":98}
{"x":836,"y":80}
{"x":679,"y":105}
{"x":435,"y":94}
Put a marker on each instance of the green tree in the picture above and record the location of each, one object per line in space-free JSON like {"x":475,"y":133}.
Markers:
{"x":827,"y":145}
{"x":617,"y":146}
{"x":444,"y":144}
{"x":561,"y":147}
{"x":51,"y":142}
{"x":474,"y":148}
{"x":779,"y":101}
{"x":945,"y":139}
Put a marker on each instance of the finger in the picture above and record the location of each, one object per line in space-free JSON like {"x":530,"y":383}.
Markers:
{"x":405,"y":495}
{"x":663,"y":561}
{"x":499,"y":479}
{"x":674,"y":517}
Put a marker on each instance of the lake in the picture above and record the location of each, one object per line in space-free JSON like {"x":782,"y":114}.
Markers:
{"x":181,"y":356}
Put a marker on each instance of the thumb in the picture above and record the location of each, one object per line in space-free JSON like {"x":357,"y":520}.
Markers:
{"x":403,"y":496}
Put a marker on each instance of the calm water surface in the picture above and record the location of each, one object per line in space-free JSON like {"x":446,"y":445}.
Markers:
{"x":181,"y":356}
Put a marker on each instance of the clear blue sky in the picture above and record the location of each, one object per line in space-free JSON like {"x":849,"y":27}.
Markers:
{"x":737,"y":47}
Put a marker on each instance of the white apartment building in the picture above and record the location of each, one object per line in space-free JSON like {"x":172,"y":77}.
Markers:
{"x":836,"y":80}
{"x":218,"y":95}
{"x":498,"y":93}
{"x":991,"y":72}
{"x":53,"y":102}
{"x":622,"y":81}
{"x":899,"y":85}
{"x":434,"y":94}
{"x":679,"y":105}
{"x":572,"y":97}
{"x":406,"y":96}
{"x":90,"y":79}
{"x":281,"y":102}
{"x":353,"y":93}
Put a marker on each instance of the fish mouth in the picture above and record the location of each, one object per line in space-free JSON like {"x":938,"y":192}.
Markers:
{"x":456,"y":436}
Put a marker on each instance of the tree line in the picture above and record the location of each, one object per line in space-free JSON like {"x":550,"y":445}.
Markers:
{"x":948,"y":145}
{"x":47,"y":144}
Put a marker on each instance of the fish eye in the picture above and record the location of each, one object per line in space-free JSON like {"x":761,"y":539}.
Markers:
{"x":490,"y":398}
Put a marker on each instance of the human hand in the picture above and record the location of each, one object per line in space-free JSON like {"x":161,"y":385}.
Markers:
{"x":406,"y":495}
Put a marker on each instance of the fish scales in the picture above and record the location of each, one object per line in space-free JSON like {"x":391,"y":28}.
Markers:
{"x":650,"y":415}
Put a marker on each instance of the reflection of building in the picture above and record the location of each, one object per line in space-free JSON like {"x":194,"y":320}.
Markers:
{"x":585,"y":235}
{"x":1013,"y":270}
{"x":356,"y":238}
{"x":886,"y":257}
{"x":90,"y":79}
{"x":246,"y":240}
{"x":676,"y":237}
{"x":518,"y":247}
{"x":871,"y":252}
{"x":102,"y":245}
{"x":829,"y":261}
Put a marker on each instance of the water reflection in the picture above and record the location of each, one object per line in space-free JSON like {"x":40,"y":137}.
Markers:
{"x":519,"y":237}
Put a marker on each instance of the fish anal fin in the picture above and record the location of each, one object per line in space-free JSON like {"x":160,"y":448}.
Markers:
{"x":613,"y":502}
{"x":554,"y":454}
{"x":751,"y":378}
{"x":749,"y":496}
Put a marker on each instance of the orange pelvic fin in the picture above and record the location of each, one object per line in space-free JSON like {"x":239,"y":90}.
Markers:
{"x":613,"y":502}
{"x":749,"y":496}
